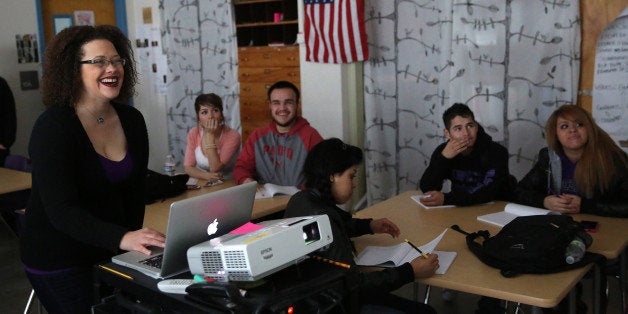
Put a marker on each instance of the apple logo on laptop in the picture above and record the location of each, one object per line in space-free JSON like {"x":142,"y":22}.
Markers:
{"x":213,"y":227}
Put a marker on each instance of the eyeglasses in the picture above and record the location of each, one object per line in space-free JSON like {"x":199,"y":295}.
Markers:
{"x":102,"y":62}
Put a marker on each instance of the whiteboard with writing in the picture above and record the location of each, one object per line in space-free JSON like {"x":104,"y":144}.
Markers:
{"x":610,"y":80}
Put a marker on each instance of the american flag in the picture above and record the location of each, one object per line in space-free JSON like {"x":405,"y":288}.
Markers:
{"x":334,"y":31}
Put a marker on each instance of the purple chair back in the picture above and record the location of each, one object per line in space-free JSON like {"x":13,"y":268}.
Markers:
{"x":17,"y":162}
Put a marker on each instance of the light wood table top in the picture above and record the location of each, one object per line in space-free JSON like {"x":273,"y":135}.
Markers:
{"x":156,"y":214}
{"x":14,"y":180}
{"x":467,"y":273}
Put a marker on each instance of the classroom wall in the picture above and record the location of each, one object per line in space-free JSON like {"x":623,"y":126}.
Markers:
{"x":323,"y":109}
{"x":18,"y":17}
{"x":152,"y":105}
{"x":329,"y":109}
{"x":325,"y":92}
{"x":322,"y":87}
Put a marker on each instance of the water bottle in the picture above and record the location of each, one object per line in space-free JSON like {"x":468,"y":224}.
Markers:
{"x":169,"y":165}
{"x":575,"y":251}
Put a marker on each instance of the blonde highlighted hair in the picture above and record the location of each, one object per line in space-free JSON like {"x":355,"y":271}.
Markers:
{"x":596,"y":168}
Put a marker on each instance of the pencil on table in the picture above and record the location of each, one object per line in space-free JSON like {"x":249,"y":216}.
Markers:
{"x":116,"y":272}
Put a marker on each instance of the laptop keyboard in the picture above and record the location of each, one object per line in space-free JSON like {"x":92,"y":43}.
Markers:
{"x":154,"y":261}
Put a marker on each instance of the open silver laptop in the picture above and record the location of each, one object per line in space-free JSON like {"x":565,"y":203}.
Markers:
{"x":192,"y":221}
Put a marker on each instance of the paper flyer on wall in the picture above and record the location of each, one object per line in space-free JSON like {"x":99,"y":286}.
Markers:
{"x":610,"y":80}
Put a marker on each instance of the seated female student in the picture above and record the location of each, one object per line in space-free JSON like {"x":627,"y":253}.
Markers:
{"x":581,"y":171}
{"x":329,"y":171}
{"x":212,"y":147}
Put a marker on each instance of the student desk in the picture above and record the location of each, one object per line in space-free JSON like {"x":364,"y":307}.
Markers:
{"x":467,"y":273}
{"x":156,"y":214}
{"x":14,"y":180}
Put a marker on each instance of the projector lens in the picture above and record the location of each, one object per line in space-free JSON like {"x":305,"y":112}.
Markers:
{"x":310,"y":233}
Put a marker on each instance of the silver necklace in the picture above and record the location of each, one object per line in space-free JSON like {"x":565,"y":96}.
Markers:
{"x":100,"y":119}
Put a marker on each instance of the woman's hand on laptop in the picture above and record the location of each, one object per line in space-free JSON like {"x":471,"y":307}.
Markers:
{"x":139,"y":240}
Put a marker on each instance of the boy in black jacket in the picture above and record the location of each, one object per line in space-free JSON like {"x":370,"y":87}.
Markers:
{"x":477,"y":168}
{"x":476,"y":165}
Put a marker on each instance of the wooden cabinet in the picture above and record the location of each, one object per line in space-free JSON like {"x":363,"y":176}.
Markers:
{"x":266,"y":31}
{"x":264,"y":22}
{"x":259,"y":68}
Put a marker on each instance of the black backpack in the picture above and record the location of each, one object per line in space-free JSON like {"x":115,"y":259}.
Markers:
{"x":532,"y":245}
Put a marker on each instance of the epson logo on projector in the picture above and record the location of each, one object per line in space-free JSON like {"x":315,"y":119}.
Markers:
{"x":267,"y":253}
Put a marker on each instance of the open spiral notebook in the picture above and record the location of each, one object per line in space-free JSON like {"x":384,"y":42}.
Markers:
{"x":396,"y":255}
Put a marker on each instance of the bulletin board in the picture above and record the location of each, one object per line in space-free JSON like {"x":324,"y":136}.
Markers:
{"x":104,"y":12}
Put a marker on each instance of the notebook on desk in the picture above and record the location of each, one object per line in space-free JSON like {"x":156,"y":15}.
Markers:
{"x":192,"y":221}
{"x":512,"y":211}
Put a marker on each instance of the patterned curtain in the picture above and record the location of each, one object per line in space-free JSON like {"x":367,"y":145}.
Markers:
{"x":200,"y":42}
{"x":513,"y":62}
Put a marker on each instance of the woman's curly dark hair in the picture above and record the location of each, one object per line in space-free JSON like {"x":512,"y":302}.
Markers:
{"x":329,"y":157}
{"x":61,"y":82}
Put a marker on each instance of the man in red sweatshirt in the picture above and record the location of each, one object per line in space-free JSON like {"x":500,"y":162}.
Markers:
{"x":276,"y":152}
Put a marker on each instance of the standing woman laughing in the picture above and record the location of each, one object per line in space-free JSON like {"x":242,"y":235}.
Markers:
{"x":89,"y":153}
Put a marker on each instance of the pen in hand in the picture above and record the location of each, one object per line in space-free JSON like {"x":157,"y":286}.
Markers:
{"x":416,"y":248}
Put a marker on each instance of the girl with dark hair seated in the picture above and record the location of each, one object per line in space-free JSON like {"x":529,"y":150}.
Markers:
{"x":329,"y":170}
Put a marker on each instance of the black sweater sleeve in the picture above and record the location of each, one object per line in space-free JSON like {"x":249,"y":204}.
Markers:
{"x":386,"y":280}
{"x":437,"y":171}
{"x":614,"y":202}
{"x":8,"y":120}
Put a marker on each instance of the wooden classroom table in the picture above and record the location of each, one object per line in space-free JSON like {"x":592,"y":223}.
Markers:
{"x":156,"y":214}
{"x":467,"y":273}
{"x":14,"y":180}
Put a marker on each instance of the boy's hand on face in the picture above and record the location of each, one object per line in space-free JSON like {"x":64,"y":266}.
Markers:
{"x":455,"y":147}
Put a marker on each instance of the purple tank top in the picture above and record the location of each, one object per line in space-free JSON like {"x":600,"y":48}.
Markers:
{"x":117,"y":171}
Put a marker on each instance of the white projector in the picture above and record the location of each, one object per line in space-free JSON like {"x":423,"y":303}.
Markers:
{"x":252,"y":256}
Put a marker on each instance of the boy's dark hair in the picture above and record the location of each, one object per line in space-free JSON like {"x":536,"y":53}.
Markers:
{"x":284,"y":84}
{"x":457,"y":109}
{"x":329,"y":157}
